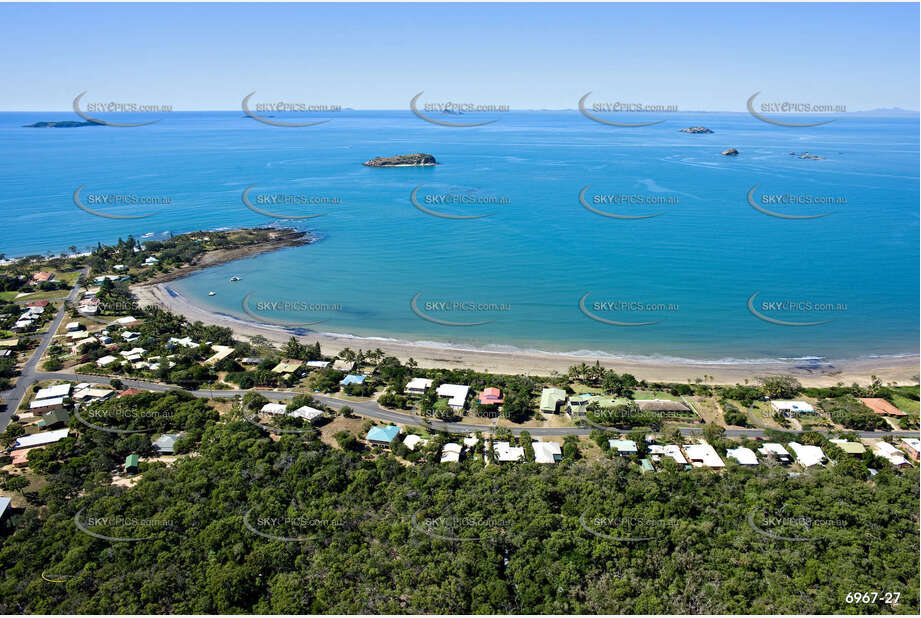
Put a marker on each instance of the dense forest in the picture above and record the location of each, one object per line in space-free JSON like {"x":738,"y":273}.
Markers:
{"x":257,"y":522}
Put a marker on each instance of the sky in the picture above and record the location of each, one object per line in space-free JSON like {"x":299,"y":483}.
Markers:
{"x":528,"y":56}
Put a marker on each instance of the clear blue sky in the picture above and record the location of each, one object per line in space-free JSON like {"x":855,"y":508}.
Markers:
{"x":529,"y":56}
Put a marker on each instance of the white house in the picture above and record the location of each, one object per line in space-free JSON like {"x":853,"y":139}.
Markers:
{"x":106,"y":361}
{"x":40,"y":439}
{"x":58,"y":390}
{"x":73,"y":327}
{"x":887,"y":451}
{"x":456,"y":394}
{"x":274,"y":408}
{"x":777,"y":451}
{"x":307,"y":413}
{"x":703,"y":455}
{"x":656,"y":452}
{"x":451,"y":452}
{"x":623,"y":447}
{"x":745,"y":456}
{"x":417,"y":386}
{"x":547,"y":452}
{"x":506,"y":452}
{"x":412,"y":441}
{"x":792,"y":407}
{"x":807,"y":455}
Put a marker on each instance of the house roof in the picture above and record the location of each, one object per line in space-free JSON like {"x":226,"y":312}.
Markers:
{"x":4,"y":504}
{"x":550,"y":398}
{"x":166,"y":443}
{"x":881,"y":406}
{"x":506,"y":452}
{"x":894,"y":455}
{"x":58,"y":390}
{"x":131,"y":461}
{"x":45,"y":403}
{"x":647,"y":465}
{"x":670,"y":450}
{"x":456,"y":393}
{"x":418,"y":384}
{"x":352,"y":379}
{"x":665,"y":405}
{"x":39,"y":439}
{"x":383,"y":434}
{"x":274,"y":408}
{"x":287,"y":366}
{"x":491,"y":395}
{"x":792,"y":406}
{"x":55,"y":416}
{"x":546,"y":452}
{"x":320,"y":364}
{"x":307,"y":413}
{"x":412,"y":441}
{"x":703,"y":454}
{"x":807,"y":454}
{"x":853,"y":448}
{"x":450,"y":452}
{"x":773,"y":448}
{"x":912,"y":443}
{"x":743,"y":455}
{"x":623,"y":446}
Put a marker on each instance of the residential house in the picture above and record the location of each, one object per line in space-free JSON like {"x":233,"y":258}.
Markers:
{"x":505,"y":452}
{"x":40,"y":406}
{"x":343,"y":365}
{"x":491,"y":396}
{"x":73,"y":327}
{"x":274,"y":408}
{"x":703,"y":455}
{"x":551,"y":399}
{"x":451,"y":452}
{"x":251,"y":360}
{"x":166,"y":443}
{"x":40,"y":439}
{"x":412,"y":441}
{"x":131,"y":464}
{"x":318,"y":364}
{"x":58,"y":390}
{"x":382,"y":436}
{"x":851,"y":448}
{"x":646,"y":466}
{"x":352,"y":379}
{"x":912,"y":446}
{"x":893,"y":455}
{"x":220,"y":353}
{"x":656,"y":452}
{"x":456,"y":394}
{"x":792,"y":408}
{"x":42,"y":277}
{"x":54,"y":418}
{"x":311,"y":415}
{"x":417,"y":386}
{"x":807,"y":455}
{"x":287,"y":365}
{"x":745,"y":456}
{"x":777,"y":451}
{"x":547,"y":452}
{"x":881,"y":406}
{"x":624,"y":448}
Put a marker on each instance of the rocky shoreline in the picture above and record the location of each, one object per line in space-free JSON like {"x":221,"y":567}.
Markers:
{"x":416,"y":159}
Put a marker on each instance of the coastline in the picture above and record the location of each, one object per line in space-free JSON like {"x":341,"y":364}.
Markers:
{"x":427,"y":355}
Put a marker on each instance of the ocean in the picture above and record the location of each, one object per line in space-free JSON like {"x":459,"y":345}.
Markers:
{"x":709,"y":276}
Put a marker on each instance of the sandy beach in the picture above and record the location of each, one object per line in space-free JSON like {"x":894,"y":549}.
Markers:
{"x":902,"y":370}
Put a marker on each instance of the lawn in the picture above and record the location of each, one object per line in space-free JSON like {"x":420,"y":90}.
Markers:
{"x":49,"y":295}
{"x":905,"y":404}
{"x":655,"y":395}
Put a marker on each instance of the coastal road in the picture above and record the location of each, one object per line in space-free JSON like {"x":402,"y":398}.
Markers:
{"x":28,"y":376}
{"x":370,"y":409}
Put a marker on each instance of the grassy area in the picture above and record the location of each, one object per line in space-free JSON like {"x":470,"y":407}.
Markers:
{"x":8,"y":295}
{"x":906,"y":405}
{"x":50,"y":295}
{"x":655,"y":395}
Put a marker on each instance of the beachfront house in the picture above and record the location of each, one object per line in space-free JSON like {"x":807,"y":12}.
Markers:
{"x":551,"y":399}
{"x":881,"y":406}
{"x":456,"y":394}
{"x":807,"y":455}
{"x":352,"y":379}
{"x":491,"y":396}
{"x":744,"y":456}
{"x":287,"y":365}
{"x":417,"y":386}
{"x":382,"y":436}
{"x":792,"y":408}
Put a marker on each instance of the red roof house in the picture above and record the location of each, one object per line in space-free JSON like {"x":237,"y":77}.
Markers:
{"x":491,"y":396}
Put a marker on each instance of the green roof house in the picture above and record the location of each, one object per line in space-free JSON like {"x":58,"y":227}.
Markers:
{"x":54,"y":418}
{"x":131,"y":464}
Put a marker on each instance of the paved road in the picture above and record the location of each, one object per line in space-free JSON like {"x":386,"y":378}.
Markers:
{"x":374,"y":411}
{"x":28,"y":375}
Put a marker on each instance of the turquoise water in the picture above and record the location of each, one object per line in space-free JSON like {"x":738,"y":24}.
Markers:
{"x":540,"y":250}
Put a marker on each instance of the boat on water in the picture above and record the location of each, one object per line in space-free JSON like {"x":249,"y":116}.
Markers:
{"x":211,"y":293}
{"x":234,"y":278}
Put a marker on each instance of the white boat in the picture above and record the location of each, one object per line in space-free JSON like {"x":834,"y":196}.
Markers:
{"x":211,"y":293}
{"x":234,"y":278}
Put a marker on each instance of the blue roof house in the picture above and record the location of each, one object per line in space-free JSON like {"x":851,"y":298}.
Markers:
{"x":383,"y":435}
{"x":352,"y":379}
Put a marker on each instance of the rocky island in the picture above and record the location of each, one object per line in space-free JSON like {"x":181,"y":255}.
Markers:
{"x":408,"y":160}
{"x":61,"y":124}
{"x":730,"y":152}
{"x":695,"y":130}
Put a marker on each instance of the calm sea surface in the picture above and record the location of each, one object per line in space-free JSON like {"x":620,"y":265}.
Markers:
{"x":518,"y":274}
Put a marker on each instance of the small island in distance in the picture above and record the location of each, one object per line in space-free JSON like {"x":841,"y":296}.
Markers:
{"x":408,"y":160}
{"x":695,"y":130}
{"x":61,"y":124}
